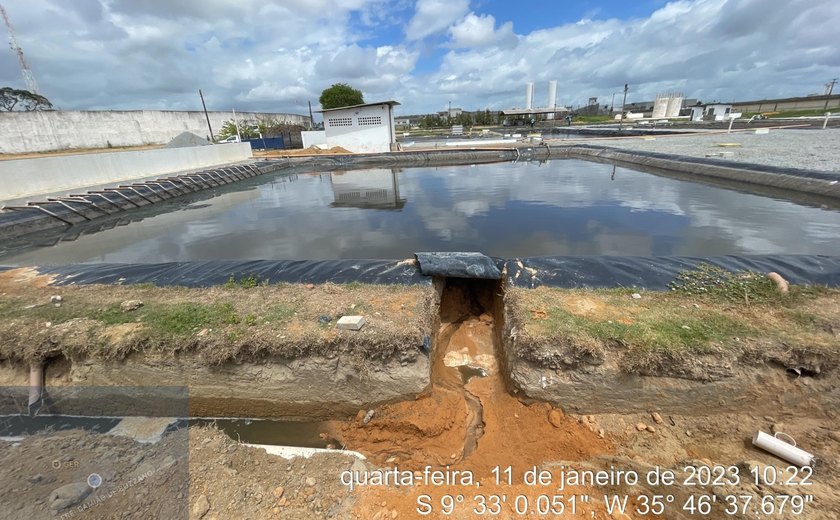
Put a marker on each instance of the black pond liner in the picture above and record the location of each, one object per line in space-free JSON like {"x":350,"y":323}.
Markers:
{"x":655,"y":273}
{"x":213,"y":272}
{"x":652,"y":273}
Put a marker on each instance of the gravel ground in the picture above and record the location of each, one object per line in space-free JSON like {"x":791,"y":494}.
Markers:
{"x":808,"y":149}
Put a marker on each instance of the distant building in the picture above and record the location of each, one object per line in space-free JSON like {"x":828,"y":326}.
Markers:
{"x":667,"y":105}
{"x":696,"y":112}
{"x":367,"y":128}
{"x":523,"y":115}
{"x":643,"y":107}
{"x":717,"y":112}
{"x":453,"y":112}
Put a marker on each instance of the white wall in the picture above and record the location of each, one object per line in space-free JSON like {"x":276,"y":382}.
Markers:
{"x":313,"y":138}
{"x":360,"y":138}
{"x":22,"y":132}
{"x":720,"y":111}
{"x":26,"y":177}
{"x":696,"y":113}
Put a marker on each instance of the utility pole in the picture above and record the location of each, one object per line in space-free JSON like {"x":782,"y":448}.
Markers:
{"x":620,"y":121}
{"x":310,"y":115}
{"x":236,"y":124}
{"x":212,"y":139}
{"x":830,"y":90}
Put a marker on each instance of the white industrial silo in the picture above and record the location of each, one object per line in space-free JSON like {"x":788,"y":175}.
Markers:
{"x":529,"y":96}
{"x":675,"y":102}
{"x":660,"y":106}
{"x":552,"y":97}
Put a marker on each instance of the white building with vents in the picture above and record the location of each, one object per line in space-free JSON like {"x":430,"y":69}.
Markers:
{"x":367,"y":128}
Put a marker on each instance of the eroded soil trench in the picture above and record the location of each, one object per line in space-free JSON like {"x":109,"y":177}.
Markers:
{"x":470,"y":421}
{"x":468,"y":418}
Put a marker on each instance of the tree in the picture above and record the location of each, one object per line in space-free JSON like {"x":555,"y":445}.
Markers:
{"x":432,"y":121}
{"x":251,"y":129}
{"x":246,"y":129}
{"x":340,"y":95}
{"x":272,"y":126}
{"x":14,"y":99}
{"x":463,"y":119}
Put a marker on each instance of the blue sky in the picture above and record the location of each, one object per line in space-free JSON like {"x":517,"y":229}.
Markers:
{"x":275,"y":55}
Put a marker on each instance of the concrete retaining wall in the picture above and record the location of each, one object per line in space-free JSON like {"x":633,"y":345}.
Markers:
{"x":823,"y":184}
{"x":23,"y":132}
{"x":779,"y":105}
{"x":313,"y":138}
{"x":26,"y":177}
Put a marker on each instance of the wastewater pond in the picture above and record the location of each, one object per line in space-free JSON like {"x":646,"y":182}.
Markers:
{"x":561,"y":207}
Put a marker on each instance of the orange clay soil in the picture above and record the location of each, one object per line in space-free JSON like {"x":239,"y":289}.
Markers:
{"x":474,"y":426}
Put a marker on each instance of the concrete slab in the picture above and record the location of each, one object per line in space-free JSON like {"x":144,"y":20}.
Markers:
{"x":351,"y":322}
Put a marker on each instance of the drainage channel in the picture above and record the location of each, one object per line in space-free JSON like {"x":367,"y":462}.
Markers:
{"x":299,"y":434}
{"x":465,"y":347}
{"x":308,"y":434}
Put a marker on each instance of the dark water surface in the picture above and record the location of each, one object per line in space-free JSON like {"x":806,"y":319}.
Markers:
{"x":563,"y":207}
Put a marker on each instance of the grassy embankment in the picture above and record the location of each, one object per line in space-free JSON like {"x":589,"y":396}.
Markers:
{"x":708,"y":312}
{"x":242,"y":320}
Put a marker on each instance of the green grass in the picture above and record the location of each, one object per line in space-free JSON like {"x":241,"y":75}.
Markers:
{"x":655,"y":329}
{"x":169,"y":319}
{"x":591,"y":119}
{"x":718,"y":283}
{"x":185,"y":318}
{"x":280,"y":313}
{"x":113,"y":315}
{"x":246,"y":282}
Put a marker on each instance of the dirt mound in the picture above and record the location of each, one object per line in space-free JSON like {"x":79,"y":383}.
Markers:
{"x":228,"y":480}
{"x":413,"y":434}
{"x":187,"y":139}
{"x":22,"y":280}
{"x":312,"y":150}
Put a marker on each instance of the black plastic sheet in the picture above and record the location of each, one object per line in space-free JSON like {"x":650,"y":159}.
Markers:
{"x":655,"y":273}
{"x":459,"y":265}
{"x":208,"y":273}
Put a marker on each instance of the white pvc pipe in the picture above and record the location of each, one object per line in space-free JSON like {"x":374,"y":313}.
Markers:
{"x":290,"y":452}
{"x":782,"y":449}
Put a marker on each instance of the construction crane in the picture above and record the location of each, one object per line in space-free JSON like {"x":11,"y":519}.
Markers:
{"x":28,"y":78}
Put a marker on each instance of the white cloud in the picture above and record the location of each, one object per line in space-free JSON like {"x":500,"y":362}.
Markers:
{"x":274,"y":55}
{"x":710,"y":49}
{"x":480,"y":31}
{"x":434,"y":16}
